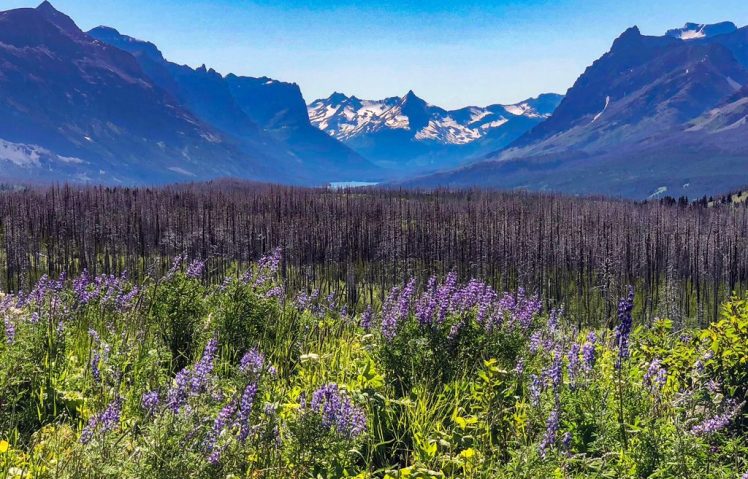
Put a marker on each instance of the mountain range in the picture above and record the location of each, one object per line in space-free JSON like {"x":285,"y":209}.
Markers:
{"x":654,"y":115}
{"x":103,"y":107}
{"x":407,"y":133}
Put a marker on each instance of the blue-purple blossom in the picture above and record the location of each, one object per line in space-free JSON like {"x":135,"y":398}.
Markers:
{"x":204,"y":367}
{"x":10,"y":329}
{"x":623,"y":330}
{"x":252,"y":362}
{"x":551,"y":430}
{"x":104,"y":422}
{"x":536,"y":387}
{"x":245,"y":410}
{"x":717,"y":423}
{"x":220,"y":423}
{"x":588,"y":352}
{"x":656,"y":375}
{"x":149,"y":401}
{"x":573,"y":366}
{"x":366,"y":317}
{"x":338,"y":412}
{"x":195,"y":269}
{"x":555,"y":372}
{"x":95,"y":373}
{"x":535,"y":339}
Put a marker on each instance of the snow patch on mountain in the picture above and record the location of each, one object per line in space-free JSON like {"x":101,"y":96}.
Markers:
{"x":346,"y":117}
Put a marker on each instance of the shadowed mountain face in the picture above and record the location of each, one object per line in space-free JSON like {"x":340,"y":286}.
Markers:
{"x":409,"y":134}
{"x":259,"y":112}
{"x":654,"y":115}
{"x":104,"y":107}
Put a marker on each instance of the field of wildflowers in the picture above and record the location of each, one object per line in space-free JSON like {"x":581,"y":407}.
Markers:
{"x":174,"y":377}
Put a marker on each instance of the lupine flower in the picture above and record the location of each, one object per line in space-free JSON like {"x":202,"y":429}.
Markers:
{"x":220,"y":423}
{"x":566,"y":441}
{"x":656,"y":375}
{"x":443,"y":296}
{"x":245,"y":410}
{"x":366,"y":317}
{"x":252,"y":362}
{"x":149,"y":401}
{"x":275,"y":292}
{"x":555,"y":372}
{"x":34,"y":319}
{"x":717,"y":423}
{"x":204,"y":367}
{"x":519,"y":369}
{"x":588,"y":352}
{"x":338,"y":412}
{"x":535,"y":340}
{"x":95,"y":358}
{"x":177,"y":395}
{"x":573,"y":367}
{"x":104,"y":422}
{"x":551,"y":430}
{"x":426,"y":304}
{"x":553,"y":318}
{"x":10,"y":329}
{"x":390,"y":314}
{"x":195,"y":269}
{"x":94,"y":336}
{"x":623,"y":330}
{"x":536,"y":387}
{"x":454,"y":331}
{"x":270,"y":262}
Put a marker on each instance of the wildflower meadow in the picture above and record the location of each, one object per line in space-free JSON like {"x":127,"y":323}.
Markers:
{"x":177,"y":377}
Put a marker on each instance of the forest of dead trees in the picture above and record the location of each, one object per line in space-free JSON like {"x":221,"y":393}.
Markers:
{"x":684,"y":259}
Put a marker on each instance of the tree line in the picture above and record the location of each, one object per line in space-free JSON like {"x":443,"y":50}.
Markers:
{"x":683,"y":258}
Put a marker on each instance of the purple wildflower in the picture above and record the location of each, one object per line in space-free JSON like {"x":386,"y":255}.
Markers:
{"x":177,"y":395}
{"x":10,"y":329}
{"x":551,"y":430}
{"x":716,"y":423}
{"x":149,"y":401}
{"x":95,"y":359}
{"x":365,"y":321}
{"x":573,"y":367}
{"x":204,"y":367}
{"x":536,"y":387}
{"x":104,"y":422}
{"x":656,"y":375}
{"x":555,"y":372}
{"x":195,"y":269}
{"x":623,"y":330}
{"x":588,"y":352}
{"x":535,"y":339}
{"x":338,"y":412}
{"x":245,"y":410}
{"x":252,"y":362}
{"x":220,"y":423}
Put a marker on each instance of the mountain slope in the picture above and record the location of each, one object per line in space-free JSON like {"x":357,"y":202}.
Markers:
{"x":74,"y":108}
{"x":259,"y":113}
{"x":628,"y":126}
{"x":409,"y":133}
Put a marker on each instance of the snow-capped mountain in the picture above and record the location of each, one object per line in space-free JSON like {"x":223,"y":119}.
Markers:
{"x":653,"y":114}
{"x":695,"y":31}
{"x":428,"y":136}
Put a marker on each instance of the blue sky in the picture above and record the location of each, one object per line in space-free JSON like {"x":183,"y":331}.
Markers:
{"x":451,"y":53}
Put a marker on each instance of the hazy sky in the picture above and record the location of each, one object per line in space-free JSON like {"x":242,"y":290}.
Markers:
{"x":451,"y":53}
